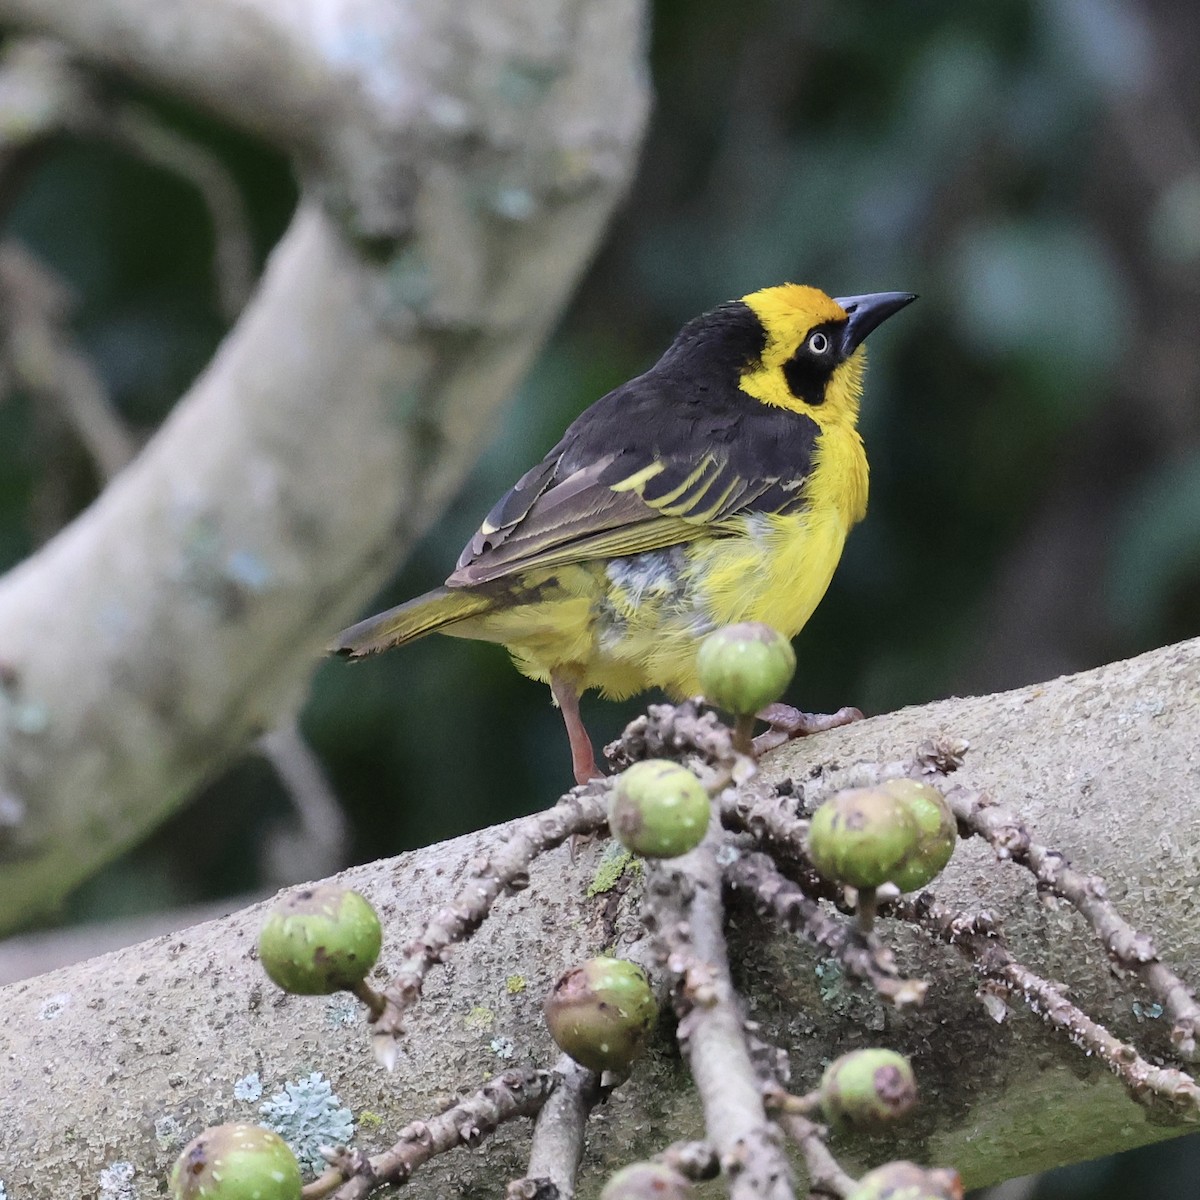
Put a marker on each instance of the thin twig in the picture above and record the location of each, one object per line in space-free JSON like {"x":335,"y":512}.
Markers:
{"x":676,"y":731}
{"x":780,"y":1101}
{"x":980,"y":940}
{"x":47,"y":360}
{"x":743,"y":734}
{"x":825,"y":1174}
{"x":519,"y":1093}
{"x":682,"y":906}
{"x":682,"y":729}
{"x":582,"y":811}
{"x":140,"y":132}
{"x":558,"y":1136}
{"x":978,"y":813}
{"x":1126,"y":946}
{"x":696,"y":1161}
{"x":768,"y":816}
{"x":794,"y":1114}
{"x":862,"y":958}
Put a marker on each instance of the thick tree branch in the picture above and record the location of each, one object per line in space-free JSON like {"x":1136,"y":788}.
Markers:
{"x":1099,"y":765}
{"x":359,"y":90}
{"x":182,"y":614}
{"x":258,"y":63}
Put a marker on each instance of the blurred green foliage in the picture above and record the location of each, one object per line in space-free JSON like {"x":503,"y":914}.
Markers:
{"x":1030,"y":167}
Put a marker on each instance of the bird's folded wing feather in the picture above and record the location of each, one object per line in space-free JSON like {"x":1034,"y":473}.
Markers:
{"x":618,"y":504}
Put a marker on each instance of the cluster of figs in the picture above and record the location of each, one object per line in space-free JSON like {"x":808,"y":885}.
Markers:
{"x":323,"y":939}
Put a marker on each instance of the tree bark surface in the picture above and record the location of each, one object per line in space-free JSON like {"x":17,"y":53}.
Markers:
{"x":123,"y":1058}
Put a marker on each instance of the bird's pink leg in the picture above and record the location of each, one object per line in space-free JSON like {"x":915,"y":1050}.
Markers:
{"x":583,"y":757}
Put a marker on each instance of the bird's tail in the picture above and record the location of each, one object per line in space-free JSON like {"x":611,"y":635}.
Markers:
{"x":409,"y":621}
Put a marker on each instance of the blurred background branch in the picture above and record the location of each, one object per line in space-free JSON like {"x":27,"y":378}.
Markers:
{"x":180,"y":616}
{"x":45,"y":360}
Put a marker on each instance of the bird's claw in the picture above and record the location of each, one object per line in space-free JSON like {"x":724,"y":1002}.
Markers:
{"x":787,"y":722}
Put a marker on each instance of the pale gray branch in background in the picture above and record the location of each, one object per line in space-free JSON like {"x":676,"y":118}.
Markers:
{"x":181,"y":616}
{"x":271,"y":66}
{"x":44,"y":358}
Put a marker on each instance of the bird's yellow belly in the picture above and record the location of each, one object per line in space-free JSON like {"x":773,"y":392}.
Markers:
{"x":632,"y":623}
{"x":777,"y":572}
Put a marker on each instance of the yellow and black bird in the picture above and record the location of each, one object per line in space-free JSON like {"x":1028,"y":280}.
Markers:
{"x":718,"y":487}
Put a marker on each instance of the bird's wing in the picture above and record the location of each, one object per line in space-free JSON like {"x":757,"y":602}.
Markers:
{"x":586,"y":500}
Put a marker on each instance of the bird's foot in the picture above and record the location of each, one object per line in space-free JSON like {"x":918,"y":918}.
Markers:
{"x":787,"y":722}
{"x":585,"y":766}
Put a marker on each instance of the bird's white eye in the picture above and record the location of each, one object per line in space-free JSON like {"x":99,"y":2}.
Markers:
{"x":818,"y":342}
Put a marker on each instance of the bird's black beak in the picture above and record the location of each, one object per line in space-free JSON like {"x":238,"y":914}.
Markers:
{"x":866,"y":312}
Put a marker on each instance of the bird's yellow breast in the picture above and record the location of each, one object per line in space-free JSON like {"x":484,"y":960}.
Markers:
{"x":779,"y":568}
